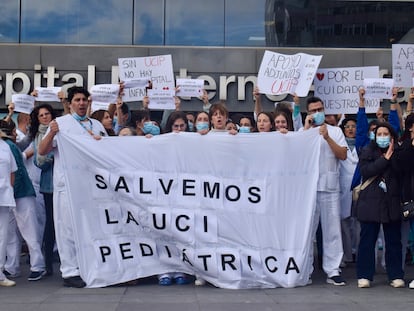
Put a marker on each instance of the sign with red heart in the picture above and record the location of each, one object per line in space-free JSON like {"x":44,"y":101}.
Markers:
{"x":320,"y":76}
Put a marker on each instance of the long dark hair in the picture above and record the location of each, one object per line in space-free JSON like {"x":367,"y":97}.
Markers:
{"x":34,"y":118}
{"x":99,"y":115}
{"x":393,"y":133}
{"x":409,"y":121}
{"x":172,"y":118}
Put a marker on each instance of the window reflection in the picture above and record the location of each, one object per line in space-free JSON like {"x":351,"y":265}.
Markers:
{"x":9,"y":22}
{"x":294,"y":23}
{"x":333,"y":23}
{"x":76,"y":21}
{"x":195,"y":22}
{"x":244,"y":23}
{"x":149,"y":22}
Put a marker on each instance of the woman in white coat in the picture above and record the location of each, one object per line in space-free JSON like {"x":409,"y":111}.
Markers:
{"x":349,"y":225}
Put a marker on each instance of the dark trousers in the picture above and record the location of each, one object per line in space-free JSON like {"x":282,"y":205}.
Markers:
{"x":49,"y":235}
{"x":393,"y":250}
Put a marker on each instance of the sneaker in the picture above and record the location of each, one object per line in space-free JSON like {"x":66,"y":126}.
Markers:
{"x":181,"y":280}
{"x":11,"y":275}
{"x":74,"y":281}
{"x":7,"y":283}
{"x":336,"y":280}
{"x":36,"y":275}
{"x":165,"y":281}
{"x":202,"y":282}
{"x":364,"y":283}
{"x":411,"y":285}
{"x":397,"y":283}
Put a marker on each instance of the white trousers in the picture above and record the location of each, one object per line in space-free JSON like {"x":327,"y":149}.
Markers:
{"x":24,"y":218}
{"x":328,"y":213}
{"x":40,"y":212}
{"x":64,"y":235}
{"x":4,"y":225}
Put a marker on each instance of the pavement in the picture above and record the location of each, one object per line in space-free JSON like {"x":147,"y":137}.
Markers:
{"x":49,"y":294}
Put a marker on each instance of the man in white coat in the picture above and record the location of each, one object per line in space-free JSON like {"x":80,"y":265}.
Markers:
{"x":76,"y":123}
{"x":333,"y":149}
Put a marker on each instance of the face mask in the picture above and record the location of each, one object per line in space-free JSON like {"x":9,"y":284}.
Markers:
{"x":200,"y":126}
{"x":190,"y":126}
{"x":383,"y":141}
{"x":371,"y":135}
{"x":78,"y":117}
{"x":319,"y":118}
{"x":115,"y":121}
{"x":244,"y":129}
{"x":151,"y":128}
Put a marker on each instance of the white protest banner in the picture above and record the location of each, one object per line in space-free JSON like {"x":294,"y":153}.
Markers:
{"x":282,"y":74}
{"x":339,"y":89}
{"x":99,"y":106}
{"x":157,"y":69}
{"x":378,"y":88}
{"x":403,"y":64}
{"x":48,"y":94}
{"x":161,"y":99}
{"x":105,"y":93}
{"x":190,"y":87}
{"x":237,"y":222}
{"x":23,"y":103}
{"x":136,"y":83}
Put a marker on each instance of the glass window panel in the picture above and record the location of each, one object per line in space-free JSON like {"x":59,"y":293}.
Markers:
{"x":9,"y":22}
{"x":245,"y":20}
{"x":76,"y":21}
{"x":195,"y":22}
{"x":149,"y":22}
{"x":334,"y":23}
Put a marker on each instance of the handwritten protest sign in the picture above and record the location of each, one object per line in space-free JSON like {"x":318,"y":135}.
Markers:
{"x":283,"y":74}
{"x":23,"y":103}
{"x":48,"y":94}
{"x":378,"y":88}
{"x":103,"y":95}
{"x":157,"y":69}
{"x":161,"y":99}
{"x":107,"y":93}
{"x":136,"y":83}
{"x":190,"y":87}
{"x":403,"y":64}
{"x":339,"y":88}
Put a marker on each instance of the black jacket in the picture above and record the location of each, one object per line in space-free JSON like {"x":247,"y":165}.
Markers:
{"x":403,"y":163}
{"x":375,"y":204}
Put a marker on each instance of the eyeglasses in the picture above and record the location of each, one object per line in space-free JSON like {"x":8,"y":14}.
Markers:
{"x":44,"y":114}
{"x":350,"y":126}
{"x":316,"y":110}
{"x":179,"y":126}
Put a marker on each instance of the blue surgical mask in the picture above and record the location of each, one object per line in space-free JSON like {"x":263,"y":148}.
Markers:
{"x":319,"y":118}
{"x":151,"y":128}
{"x":201,"y":126}
{"x":371,"y":135}
{"x":78,"y":117}
{"x":383,"y":141}
{"x":190,"y":126}
{"x":115,"y":121}
{"x":244,"y":129}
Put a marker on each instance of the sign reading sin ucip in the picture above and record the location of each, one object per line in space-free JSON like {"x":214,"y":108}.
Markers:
{"x":157,"y":69}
